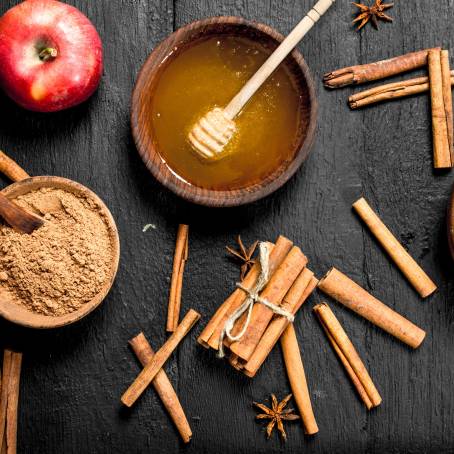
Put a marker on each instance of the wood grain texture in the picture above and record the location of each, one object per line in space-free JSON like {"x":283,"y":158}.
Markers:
{"x":450,"y":223}
{"x":72,"y":377}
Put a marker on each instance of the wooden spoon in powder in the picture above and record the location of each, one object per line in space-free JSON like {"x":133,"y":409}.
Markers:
{"x":17,"y":217}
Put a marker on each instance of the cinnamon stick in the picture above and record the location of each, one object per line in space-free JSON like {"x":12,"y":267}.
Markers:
{"x":179,"y":260}
{"x":350,"y":372}
{"x":163,"y":387}
{"x":338,"y":336}
{"x":442,"y":152}
{"x":297,"y":295}
{"x":345,"y":291}
{"x":274,"y":292}
{"x":6,"y":372}
{"x":277,"y":256}
{"x":215,"y":321}
{"x":359,"y":74}
{"x":225,"y":310}
{"x":411,"y":270}
{"x":297,"y":379}
{"x":153,"y":367}
{"x":392,"y":91}
{"x":13,"y":403}
{"x":11,"y":169}
{"x":447,"y":99}
{"x":235,"y":362}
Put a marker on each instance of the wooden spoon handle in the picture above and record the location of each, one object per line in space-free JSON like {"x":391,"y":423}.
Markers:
{"x":275,"y":59}
{"x":17,"y":217}
{"x":11,"y":169}
{"x":13,"y":214}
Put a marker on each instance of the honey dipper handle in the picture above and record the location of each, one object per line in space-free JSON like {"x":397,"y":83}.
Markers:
{"x":11,"y":168}
{"x":276,"y":58}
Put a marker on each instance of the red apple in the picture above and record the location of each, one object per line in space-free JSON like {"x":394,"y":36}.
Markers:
{"x":50,"y":54}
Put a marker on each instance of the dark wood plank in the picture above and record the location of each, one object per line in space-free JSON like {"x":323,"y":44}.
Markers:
{"x":72,"y":378}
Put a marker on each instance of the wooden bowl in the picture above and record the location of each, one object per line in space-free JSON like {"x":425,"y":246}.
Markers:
{"x":16,"y":313}
{"x":146,"y":83}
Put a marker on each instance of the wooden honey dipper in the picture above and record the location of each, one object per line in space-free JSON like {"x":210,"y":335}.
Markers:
{"x":210,"y":135}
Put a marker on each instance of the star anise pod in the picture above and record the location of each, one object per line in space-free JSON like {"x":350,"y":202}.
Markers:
{"x":244,"y":256}
{"x":277,"y":415}
{"x":372,"y":13}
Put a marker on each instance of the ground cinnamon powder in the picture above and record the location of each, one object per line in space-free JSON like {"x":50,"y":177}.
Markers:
{"x":63,"y":264}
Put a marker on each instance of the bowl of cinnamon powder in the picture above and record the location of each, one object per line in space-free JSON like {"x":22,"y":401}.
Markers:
{"x":64,"y":269}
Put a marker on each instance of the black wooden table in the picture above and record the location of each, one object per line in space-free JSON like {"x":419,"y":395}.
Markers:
{"x":73,"y":377}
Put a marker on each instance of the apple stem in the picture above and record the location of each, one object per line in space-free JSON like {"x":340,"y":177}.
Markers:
{"x":48,"y":53}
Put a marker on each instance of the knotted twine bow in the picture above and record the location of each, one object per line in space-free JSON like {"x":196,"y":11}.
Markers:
{"x":252,"y":298}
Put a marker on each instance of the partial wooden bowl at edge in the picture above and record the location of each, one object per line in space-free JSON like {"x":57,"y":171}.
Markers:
{"x":16,"y":313}
{"x":146,"y":84}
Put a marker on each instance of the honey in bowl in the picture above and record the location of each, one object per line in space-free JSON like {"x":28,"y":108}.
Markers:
{"x":207,"y":75}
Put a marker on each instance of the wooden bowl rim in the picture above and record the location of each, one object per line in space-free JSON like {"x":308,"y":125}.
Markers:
{"x":209,"y":197}
{"x":21,"y":316}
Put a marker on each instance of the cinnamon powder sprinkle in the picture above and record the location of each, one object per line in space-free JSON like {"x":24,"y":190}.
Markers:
{"x":62,"y":265}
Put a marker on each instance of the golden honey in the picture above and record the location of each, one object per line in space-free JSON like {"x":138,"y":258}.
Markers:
{"x":208,"y":75}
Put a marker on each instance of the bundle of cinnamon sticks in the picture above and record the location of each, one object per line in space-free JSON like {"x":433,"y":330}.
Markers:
{"x":438,"y":83}
{"x":256,"y":331}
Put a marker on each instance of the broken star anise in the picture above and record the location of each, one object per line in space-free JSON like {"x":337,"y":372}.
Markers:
{"x":244,"y":256}
{"x":372,"y":13}
{"x":277,"y":415}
